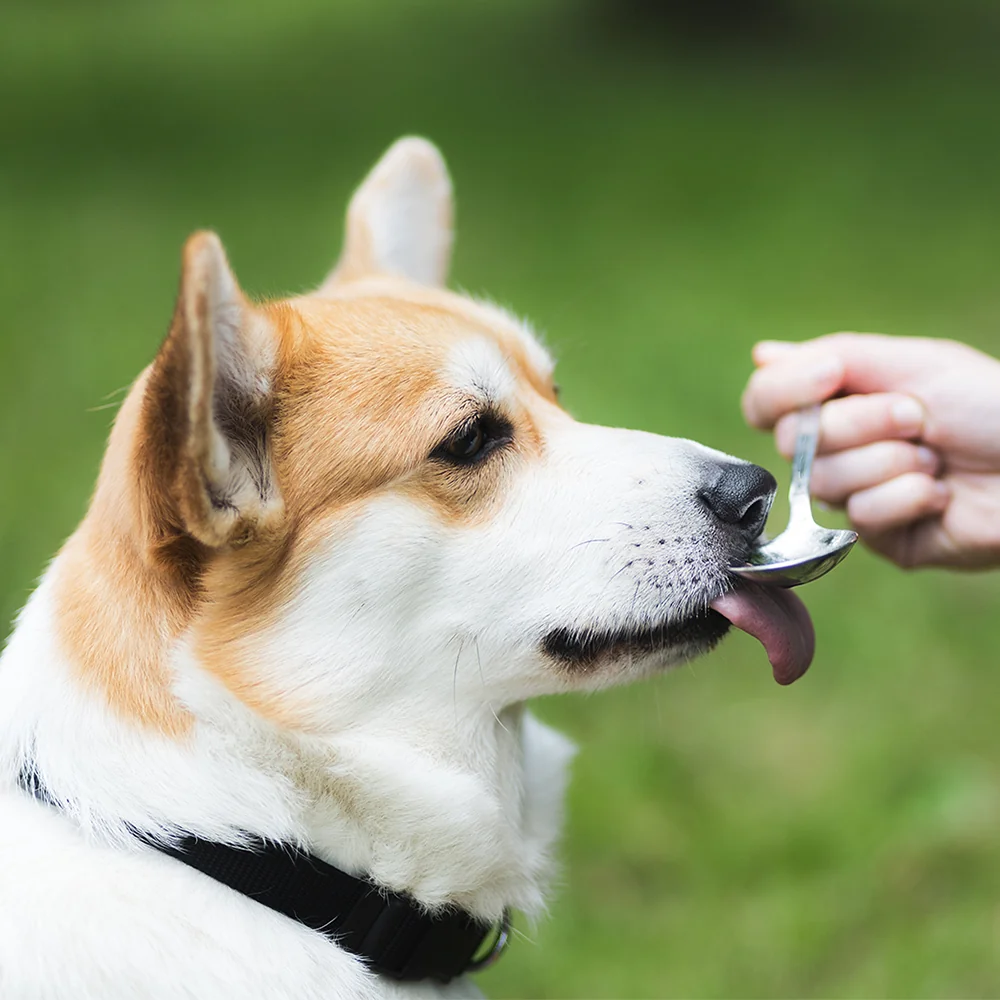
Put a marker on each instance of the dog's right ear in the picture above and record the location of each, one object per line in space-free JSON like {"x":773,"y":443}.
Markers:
{"x":203,"y":451}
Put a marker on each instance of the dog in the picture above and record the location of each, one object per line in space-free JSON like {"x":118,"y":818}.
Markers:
{"x":262,"y":724}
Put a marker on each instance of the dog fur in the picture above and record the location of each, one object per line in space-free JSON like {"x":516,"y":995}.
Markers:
{"x":289,"y":613}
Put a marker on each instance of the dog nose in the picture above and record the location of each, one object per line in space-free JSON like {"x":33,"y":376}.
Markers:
{"x":740,"y":495}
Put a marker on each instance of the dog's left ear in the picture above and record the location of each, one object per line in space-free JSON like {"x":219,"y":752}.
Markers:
{"x":400,"y":219}
{"x":204,"y":455}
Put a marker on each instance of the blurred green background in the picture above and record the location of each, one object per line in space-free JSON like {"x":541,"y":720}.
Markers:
{"x":656,"y":194}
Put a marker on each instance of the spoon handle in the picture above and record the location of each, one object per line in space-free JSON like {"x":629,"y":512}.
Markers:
{"x":805,"y":450}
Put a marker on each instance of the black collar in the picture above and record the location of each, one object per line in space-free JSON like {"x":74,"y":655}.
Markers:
{"x":390,"y":931}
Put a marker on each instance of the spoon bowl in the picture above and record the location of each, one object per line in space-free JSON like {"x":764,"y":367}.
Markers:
{"x":804,"y":551}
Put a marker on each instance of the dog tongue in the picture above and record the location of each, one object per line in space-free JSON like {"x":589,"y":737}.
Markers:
{"x":779,"y":621}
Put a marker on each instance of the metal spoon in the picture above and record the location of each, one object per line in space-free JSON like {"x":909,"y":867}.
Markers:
{"x":804,"y":551}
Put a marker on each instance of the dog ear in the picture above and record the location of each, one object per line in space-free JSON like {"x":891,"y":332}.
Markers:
{"x":400,"y":218}
{"x":204,"y":454}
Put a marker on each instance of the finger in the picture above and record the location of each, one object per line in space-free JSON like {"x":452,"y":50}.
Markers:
{"x":857,"y":420}
{"x":836,"y":477}
{"x":796,"y":379}
{"x":922,"y":543}
{"x":897,"y":503}
{"x":766,"y":351}
{"x":872,"y":362}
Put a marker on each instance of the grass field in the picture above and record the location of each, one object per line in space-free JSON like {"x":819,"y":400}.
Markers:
{"x":655,"y":207}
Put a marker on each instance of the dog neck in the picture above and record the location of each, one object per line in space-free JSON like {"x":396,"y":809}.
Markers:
{"x":463,"y":813}
{"x":103,"y":695}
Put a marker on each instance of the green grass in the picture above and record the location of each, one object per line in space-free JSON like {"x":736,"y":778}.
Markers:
{"x":655,"y":207}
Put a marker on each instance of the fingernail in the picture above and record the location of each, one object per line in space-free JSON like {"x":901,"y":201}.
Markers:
{"x":774,"y":346}
{"x":927,"y":458}
{"x":766,"y":351}
{"x":942,"y":491}
{"x":908,"y":415}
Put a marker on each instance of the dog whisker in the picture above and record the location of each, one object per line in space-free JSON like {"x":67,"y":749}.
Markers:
{"x":454,"y":680}
{"x":522,"y":936}
{"x":631,"y":615}
{"x":482,"y":679}
{"x":348,"y":619}
{"x":589,"y":541}
{"x":613,"y":575}
{"x":114,"y":405}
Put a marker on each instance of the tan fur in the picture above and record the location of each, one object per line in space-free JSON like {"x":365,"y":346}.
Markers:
{"x":120,"y":600}
{"x":360,"y":406}
{"x":357,"y":404}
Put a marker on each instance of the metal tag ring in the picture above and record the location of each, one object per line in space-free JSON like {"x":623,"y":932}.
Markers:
{"x":500,"y":943}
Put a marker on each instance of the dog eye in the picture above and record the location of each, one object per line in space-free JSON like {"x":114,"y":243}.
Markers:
{"x":468,"y":443}
{"x":473,"y":441}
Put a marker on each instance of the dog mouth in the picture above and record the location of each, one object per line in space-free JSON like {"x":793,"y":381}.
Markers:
{"x":583,"y":649}
{"x":775,"y":617}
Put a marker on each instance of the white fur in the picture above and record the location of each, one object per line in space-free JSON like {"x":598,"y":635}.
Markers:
{"x":406,"y":651}
{"x":76,"y":881}
{"x":421,"y":767}
{"x":478,"y":367}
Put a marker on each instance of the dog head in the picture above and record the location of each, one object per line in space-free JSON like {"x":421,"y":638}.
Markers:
{"x":369,"y":496}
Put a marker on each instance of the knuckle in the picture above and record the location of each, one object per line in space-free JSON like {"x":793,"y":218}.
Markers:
{"x":898,"y":457}
{"x":844,"y":340}
{"x":955,"y":346}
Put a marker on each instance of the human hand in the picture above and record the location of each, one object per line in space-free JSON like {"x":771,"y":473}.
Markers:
{"x":910,"y":446}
